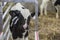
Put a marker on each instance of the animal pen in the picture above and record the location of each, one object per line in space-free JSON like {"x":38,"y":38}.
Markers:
{"x":6,"y":33}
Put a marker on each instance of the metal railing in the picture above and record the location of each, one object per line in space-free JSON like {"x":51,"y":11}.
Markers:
{"x":6,"y":31}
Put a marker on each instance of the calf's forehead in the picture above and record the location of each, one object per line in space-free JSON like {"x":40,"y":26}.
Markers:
{"x":25,"y":13}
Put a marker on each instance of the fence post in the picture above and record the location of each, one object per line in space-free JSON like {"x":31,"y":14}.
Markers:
{"x":1,"y":23}
{"x":36,"y":21}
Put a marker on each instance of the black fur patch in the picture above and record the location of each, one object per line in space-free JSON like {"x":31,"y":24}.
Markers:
{"x":57,"y":3}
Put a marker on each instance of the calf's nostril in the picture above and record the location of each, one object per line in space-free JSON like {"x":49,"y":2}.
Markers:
{"x":25,"y":26}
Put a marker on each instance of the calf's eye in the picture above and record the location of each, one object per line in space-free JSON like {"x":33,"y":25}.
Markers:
{"x":23,"y":7}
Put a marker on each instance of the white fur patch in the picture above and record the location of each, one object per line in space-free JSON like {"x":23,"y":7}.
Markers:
{"x":26,"y":38}
{"x":25,"y":32}
{"x":34,"y":18}
{"x":24,"y":12}
{"x":25,"y":26}
{"x":24,"y":35}
{"x":18,"y":6}
{"x":15,"y":19}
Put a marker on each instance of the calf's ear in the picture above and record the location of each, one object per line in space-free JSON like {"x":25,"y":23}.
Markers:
{"x":12,"y":13}
{"x":33,"y":15}
{"x":17,"y":12}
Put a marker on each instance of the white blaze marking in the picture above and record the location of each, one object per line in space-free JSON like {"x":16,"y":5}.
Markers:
{"x":14,"y":18}
{"x":25,"y":26}
{"x":16,"y":21}
{"x":24,"y":12}
{"x":26,"y":38}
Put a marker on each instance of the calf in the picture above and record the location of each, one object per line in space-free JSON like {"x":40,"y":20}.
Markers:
{"x":56,"y":3}
{"x":43,"y":6}
{"x":19,"y":23}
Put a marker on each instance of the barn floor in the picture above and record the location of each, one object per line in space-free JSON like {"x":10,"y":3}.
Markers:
{"x":49,"y":28}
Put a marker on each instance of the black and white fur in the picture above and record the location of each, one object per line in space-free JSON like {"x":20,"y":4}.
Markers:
{"x":44,"y":4}
{"x":56,"y":4}
{"x":19,"y":23}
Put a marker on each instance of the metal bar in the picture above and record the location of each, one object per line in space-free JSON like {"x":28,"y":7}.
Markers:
{"x":5,"y":23}
{"x":6,"y":31}
{"x":36,"y":14}
{"x":36,"y":21}
{"x":6,"y":11}
{"x":3,"y":4}
{"x":1,"y":36}
{"x":0,"y":7}
{"x":8,"y":35}
{"x":31,"y":1}
{"x":1,"y":24}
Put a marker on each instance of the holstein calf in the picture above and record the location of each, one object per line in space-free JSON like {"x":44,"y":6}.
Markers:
{"x":57,"y":2}
{"x":43,"y":7}
{"x":19,"y":22}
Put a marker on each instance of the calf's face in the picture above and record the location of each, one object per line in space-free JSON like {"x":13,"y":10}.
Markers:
{"x":18,"y":23}
{"x":15,"y":14}
{"x":20,"y":19}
